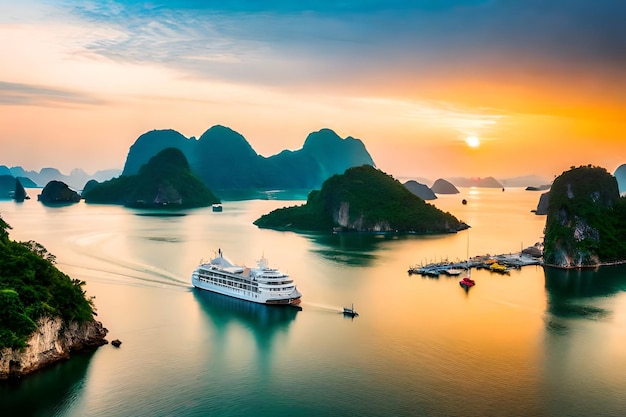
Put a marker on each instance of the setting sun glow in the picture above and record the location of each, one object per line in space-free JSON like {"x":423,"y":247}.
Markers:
{"x":472,"y":141}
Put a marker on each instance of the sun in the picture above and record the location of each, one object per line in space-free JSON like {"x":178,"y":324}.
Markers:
{"x":472,"y":141}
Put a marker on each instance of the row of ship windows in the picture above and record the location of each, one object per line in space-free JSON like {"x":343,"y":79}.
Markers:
{"x":280,"y":289}
{"x":228,"y":278}
{"x":238,"y":290}
{"x":229,"y":284}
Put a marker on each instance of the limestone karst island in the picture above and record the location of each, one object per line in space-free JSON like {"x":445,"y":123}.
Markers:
{"x":363,"y":199}
{"x":586,"y":222}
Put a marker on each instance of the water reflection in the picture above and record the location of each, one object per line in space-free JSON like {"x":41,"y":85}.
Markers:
{"x":161,"y":214}
{"x":50,"y":392}
{"x":238,"y":195}
{"x":56,"y":204}
{"x":354,"y":249}
{"x":571,"y":292}
{"x":262,"y":320}
{"x":583,"y":338}
{"x":581,"y":283}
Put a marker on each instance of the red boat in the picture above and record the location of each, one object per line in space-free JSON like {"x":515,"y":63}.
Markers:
{"x":467,"y":282}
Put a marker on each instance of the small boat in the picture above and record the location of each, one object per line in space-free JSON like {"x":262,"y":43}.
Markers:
{"x":467,"y":282}
{"x":217,"y":207}
{"x":350,"y":311}
{"x":496,"y":267}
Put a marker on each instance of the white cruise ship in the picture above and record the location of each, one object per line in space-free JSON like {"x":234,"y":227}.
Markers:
{"x":263,"y":285}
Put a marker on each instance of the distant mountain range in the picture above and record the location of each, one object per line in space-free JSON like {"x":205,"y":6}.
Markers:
{"x":486,"y":182}
{"x":491,"y":182}
{"x":224,"y":160}
{"x":76,"y":179}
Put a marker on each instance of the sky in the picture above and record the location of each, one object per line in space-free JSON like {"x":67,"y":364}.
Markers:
{"x":535,"y":86}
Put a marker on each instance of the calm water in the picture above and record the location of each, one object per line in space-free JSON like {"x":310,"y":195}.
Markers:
{"x":532,"y":343}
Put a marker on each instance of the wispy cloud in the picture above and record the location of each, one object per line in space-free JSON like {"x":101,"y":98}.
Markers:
{"x":338,"y":45}
{"x":26,"y":94}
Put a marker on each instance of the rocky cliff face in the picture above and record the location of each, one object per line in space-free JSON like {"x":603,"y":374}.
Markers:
{"x":542,"y":206}
{"x":342,"y":218}
{"x":52,"y":342}
{"x":585,"y":222}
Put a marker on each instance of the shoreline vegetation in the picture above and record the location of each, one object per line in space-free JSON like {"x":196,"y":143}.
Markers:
{"x":45,"y":315}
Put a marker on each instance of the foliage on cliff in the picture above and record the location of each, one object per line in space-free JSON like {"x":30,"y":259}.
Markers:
{"x":363,"y":199}
{"x":32,"y":287}
{"x":586,"y":223}
{"x":165,"y":181}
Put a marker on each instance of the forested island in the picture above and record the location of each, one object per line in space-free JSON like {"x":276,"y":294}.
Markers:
{"x":44,"y":314}
{"x":166,"y":181}
{"x":586,"y":223}
{"x":362,"y":199}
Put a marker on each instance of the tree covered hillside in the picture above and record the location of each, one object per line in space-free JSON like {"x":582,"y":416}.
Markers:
{"x":32,"y":287}
{"x":165,"y":181}
{"x":586,"y":223}
{"x":363,"y":199}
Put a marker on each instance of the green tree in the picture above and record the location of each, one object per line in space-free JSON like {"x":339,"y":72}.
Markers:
{"x":32,"y":287}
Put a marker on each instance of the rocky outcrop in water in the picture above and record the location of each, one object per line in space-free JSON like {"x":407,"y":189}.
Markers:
{"x":420,"y":190}
{"x":442,"y":186}
{"x":53,"y":341}
{"x":586,"y":223}
{"x":538,"y":188}
{"x":58,"y":192}
{"x":542,"y":206}
{"x":20,"y":193}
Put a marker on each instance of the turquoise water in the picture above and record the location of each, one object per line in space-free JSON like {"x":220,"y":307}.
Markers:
{"x":529,"y":343}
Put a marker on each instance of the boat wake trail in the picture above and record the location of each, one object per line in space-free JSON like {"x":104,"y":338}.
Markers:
{"x":97,"y":257}
{"x":142,"y":277}
{"x":322,"y":307}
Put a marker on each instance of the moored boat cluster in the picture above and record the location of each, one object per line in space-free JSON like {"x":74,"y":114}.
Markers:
{"x":495,"y":263}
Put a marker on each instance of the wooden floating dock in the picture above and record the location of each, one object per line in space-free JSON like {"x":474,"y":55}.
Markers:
{"x":495,"y":263}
